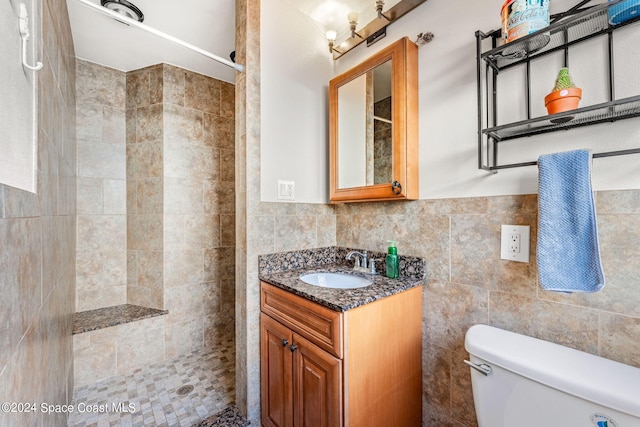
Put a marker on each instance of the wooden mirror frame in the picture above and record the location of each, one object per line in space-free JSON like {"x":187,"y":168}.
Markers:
{"x":404,"y":99}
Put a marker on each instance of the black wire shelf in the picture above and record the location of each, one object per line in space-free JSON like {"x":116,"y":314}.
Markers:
{"x":600,"y":113}
{"x":566,"y":32}
{"x":574,"y":26}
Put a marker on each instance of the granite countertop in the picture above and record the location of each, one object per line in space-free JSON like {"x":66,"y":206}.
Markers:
{"x":91,"y":320}
{"x":340,"y":299}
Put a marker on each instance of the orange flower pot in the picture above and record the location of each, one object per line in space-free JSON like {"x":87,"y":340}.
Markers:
{"x":563,"y":100}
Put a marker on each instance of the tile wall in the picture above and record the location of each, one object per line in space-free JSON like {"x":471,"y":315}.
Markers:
{"x":158,"y":194}
{"x":101,"y":277}
{"x":469,"y":284}
{"x":38,"y":245}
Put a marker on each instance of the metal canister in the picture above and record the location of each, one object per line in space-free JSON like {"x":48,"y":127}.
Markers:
{"x":523,"y":17}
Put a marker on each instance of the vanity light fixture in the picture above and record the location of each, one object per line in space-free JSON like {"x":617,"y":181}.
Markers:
{"x":331,"y":38}
{"x":379,"y":7}
{"x":353,"y":22}
{"x":374,"y":30}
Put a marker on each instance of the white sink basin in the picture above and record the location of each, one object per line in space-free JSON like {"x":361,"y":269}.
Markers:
{"x":335,"y":280}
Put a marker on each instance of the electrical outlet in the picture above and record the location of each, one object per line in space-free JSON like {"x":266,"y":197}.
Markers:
{"x":515,"y":243}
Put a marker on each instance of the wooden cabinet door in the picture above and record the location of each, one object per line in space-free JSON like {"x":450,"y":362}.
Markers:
{"x":317,"y":386}
{"x":276,"y":364}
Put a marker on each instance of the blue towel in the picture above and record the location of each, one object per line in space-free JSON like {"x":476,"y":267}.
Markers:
{"x":568,"y":254}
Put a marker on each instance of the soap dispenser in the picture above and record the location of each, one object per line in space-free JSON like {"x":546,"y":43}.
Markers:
{"x":392,"y":260}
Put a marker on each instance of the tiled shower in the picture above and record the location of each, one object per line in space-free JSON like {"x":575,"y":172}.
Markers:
{"x":156,"y":206}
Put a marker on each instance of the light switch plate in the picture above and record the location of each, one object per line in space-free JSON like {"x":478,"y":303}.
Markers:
{"x":286,"y":190}
{"x":514,"y":245}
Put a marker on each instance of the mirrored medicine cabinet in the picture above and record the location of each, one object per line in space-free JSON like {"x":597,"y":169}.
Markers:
{"x":373,"y":126}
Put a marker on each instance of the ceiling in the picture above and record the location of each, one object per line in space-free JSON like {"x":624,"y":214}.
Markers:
{"x":207,"y":24}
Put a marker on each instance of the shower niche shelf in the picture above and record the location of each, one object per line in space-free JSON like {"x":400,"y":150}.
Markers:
{"x":576,"y":25}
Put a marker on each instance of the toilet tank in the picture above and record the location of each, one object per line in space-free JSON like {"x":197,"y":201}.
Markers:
{"x":532,"y":383}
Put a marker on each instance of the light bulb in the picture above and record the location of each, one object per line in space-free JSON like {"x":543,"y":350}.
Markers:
{"x":331,"y":35}
{"x":353,"y":21}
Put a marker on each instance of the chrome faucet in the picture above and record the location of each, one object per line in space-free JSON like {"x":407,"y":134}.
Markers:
{"x":363,"y":267}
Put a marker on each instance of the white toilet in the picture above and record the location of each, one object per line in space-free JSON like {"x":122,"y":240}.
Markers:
{"x":519,"y":381}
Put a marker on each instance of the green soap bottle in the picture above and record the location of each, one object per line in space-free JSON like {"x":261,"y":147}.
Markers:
{"x":392,"y":260}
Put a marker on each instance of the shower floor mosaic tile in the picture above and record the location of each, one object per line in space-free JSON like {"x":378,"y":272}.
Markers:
{"x":159,"y":395}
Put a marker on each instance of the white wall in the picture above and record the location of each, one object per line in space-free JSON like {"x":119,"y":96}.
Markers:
{"x":295,"y":71}
{"x":17,"y":110}
{"x":448,"y":108}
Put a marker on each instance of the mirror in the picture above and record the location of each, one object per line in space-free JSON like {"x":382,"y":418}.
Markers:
{"x":373,"y":127}
{"x":365,"y":118}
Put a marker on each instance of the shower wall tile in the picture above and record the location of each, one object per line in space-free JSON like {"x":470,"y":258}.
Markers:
{"x":191,"y":161}
{"x":227,"y":166}
{"x":219,"y":131}
{"x":156,"y":84}
{"x":138,"y":348}
{"x":114,"y":129}
{"x":100,"y":85}
{"x":89,"y":196}
{"x":118,"y":350}
{"x":202,"y":231}
{"x":182,"y":338}
{"x":202,"y":93}
{"x":227,"y":100}
{"x":228,"y":231}
{"x":183,"y":196}
{"x":37,"y":241}
{"x":149,"y":122}
{"x":183,"y":267}
{"x":102,"y":268}
{"x":89,"y":121}
{"x":114,"y":198}
{"x":147,"y":196}
{"x":183,"y":125}
{"x":144,"y":160}
{"x":93,"y":363}
{"x":219,"y":197}
{"x":99,"y":233}
{"x":101,"y":160}
{"x":21,"y":267}
{"x":138,"y":89}
{"x":105,"y":296}
{"x":173,"y":85}
{"x":101,"y":264}
{"x":144,"y":232}
{"x":171,"y":221}
{"x":219,"y":263}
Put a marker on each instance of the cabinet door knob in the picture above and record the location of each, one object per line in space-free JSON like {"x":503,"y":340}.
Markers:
{"x":285,"y":342}
{"x":396,"y":187}
{"x":293,"y":347}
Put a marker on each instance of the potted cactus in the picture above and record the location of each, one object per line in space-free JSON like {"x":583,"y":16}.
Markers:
{"x":564,"y":96}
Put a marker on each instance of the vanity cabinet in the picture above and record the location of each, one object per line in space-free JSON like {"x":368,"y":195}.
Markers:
{"x":320,"y":367}
{"x":373,"y":127}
